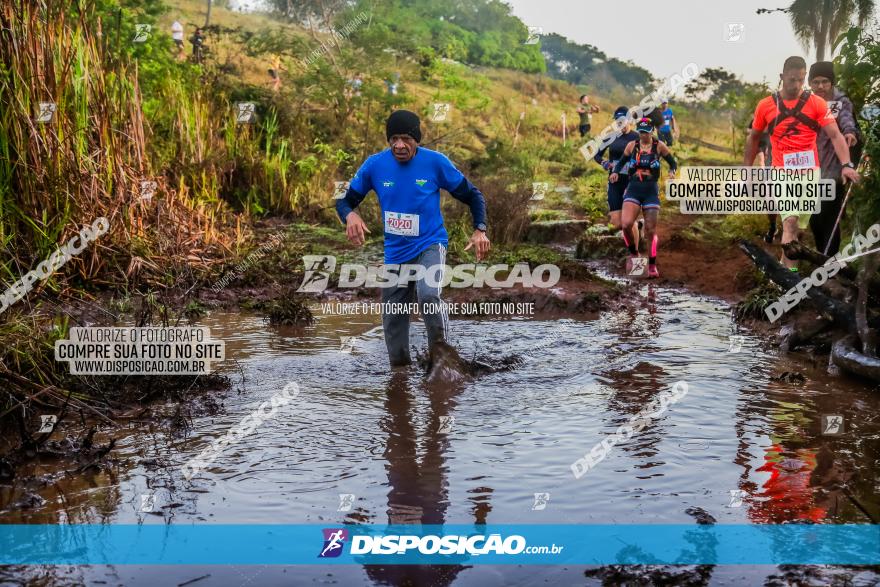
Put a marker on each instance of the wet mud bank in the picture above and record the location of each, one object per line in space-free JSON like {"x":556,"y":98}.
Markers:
{"x":477,"y":450}
{"x":471,"y":436}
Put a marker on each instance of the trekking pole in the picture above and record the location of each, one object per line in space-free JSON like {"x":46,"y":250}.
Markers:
{"x":842,"y":208}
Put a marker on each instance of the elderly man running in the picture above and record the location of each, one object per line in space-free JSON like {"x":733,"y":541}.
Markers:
{"x":407,"y":180}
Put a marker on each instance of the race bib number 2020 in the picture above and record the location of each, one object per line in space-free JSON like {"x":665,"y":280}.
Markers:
{"x":402,"y":224}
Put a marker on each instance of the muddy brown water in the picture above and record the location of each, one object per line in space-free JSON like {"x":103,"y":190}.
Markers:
{"x":479,"y":454}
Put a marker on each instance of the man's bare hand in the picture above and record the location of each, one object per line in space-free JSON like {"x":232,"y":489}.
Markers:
{"x":851,"y":139}
{"x":355,"y":229}
{"x":481,"y":242}
{"x":850,"y":174}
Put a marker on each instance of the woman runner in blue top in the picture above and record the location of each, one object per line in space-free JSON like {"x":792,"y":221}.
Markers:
{"x":643,"y":191}
{"x":616,"y":189}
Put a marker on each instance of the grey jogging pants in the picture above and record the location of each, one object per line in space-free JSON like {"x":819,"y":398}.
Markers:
{"x":396,"y":325}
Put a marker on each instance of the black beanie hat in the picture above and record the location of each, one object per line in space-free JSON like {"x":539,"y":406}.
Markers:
{"x":403,"y":122}
{"x":822,"y":69}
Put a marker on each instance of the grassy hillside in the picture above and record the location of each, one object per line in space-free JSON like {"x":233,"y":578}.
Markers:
{"x":502,"y":122}
{"x":162,"y":119}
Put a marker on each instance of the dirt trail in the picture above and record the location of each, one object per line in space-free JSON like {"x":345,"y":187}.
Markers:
{"x":718,"y":270}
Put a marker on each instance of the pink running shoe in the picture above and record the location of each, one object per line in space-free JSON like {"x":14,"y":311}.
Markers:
{"x":652,"y":272}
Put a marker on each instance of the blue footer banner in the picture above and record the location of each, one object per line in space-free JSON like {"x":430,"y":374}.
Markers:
{"x":465,"y":544}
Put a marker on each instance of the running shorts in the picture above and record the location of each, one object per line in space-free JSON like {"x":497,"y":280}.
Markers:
{"x":665,"y":136}
{"x":803,"y":219}
{"x":616,"y":191}
{"x":643,"y":193}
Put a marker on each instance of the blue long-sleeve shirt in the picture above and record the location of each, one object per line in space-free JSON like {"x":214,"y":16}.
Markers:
{"x":409,"y":197}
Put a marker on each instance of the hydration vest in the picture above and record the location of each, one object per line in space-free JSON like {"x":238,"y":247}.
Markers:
{"x":645,"y":166}
{"x":783,"y":112}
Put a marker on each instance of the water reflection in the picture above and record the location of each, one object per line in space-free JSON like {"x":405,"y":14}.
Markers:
{"x":418,"y":489}
{"x":737,"y":428}
{"x":792,"y":470}
{"x":634,"y":389}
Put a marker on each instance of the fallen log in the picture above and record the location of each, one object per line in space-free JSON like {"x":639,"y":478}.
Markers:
{"x":796,"y":251}
{"x":801,"y":332}
{"x":867,"y":335}
{"x":841,"y":312}
{"x":705,"y":144}
{"x":845,"y":355}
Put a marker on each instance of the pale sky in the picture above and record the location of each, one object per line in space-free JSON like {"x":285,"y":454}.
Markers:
{"x":663,"y":36}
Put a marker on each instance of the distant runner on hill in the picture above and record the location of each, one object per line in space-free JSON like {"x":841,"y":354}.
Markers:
{"x":275,"y":72}
{"x":616,"y":189}
{"x":392,"y":83}
{"x":198,"y":45}
{"x":585,"y":111}
{"x":643,"y":192}
{"x":793,"y":117}
{"x":177,"y":37}
{"x":669,"y":126}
